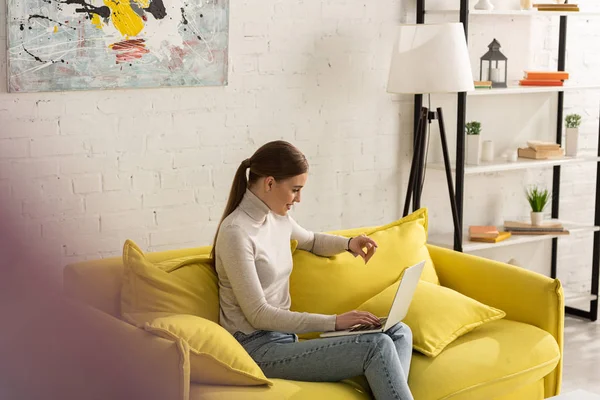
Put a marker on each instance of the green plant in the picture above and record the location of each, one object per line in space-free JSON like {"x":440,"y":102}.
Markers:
{"x":538,"y":198}
{"x":473,"y":128}
{"x":573,"y":120}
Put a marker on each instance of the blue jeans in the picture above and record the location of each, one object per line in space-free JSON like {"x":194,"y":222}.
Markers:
{"x":384,"y":358}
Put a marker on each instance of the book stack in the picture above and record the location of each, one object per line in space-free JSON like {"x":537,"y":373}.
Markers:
{"x":487,"y":234}
{"x":544,"y":78}
{"x":556,"y":7}
{"x":482,"y":84}
{"x":541,"y":150}
{"x":525,"y":228}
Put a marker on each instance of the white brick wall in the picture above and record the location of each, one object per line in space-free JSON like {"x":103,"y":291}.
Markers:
{"x":83,"y":171}
{"x":156,"y":165}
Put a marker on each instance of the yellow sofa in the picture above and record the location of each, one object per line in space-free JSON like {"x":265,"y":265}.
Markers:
{"x":518,"y":357}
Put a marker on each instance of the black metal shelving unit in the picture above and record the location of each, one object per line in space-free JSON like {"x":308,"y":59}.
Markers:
{"x":460,"y":163}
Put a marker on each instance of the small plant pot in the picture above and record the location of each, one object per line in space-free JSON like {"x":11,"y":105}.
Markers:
{"x":473,"y":149}
{"x":572,"y":141}
{"x":537,"y":218}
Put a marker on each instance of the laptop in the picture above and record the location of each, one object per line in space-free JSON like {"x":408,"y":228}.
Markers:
{"x":398,"y":309}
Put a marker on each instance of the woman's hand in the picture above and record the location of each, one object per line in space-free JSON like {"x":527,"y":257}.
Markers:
{"x":358,"y":243}
{"x":349,"y":319}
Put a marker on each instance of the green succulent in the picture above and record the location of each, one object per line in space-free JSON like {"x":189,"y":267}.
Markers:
{"x":538,"y":198}
{"x":473,"y":128}
{"x":573,"y":120}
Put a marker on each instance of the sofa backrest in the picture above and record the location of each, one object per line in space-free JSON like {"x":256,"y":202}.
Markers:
{"x":98,"y":282}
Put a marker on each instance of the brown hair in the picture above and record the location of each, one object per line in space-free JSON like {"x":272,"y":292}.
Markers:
{"x":278,"y":159}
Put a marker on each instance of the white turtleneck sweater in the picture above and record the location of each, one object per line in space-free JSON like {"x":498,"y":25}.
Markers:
{"x":254,"y":264}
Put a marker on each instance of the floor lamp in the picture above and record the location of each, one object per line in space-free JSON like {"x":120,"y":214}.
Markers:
{"x":429,"y":59}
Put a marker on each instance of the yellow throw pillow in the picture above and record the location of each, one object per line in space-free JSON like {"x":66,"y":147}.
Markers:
{"x":437,"y":315}
{"x":216,"y":358}
{"x":334,"y":285}
{"x":186,"y":285}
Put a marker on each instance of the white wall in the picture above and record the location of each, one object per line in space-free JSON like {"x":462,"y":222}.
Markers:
{"x":83,"y":171}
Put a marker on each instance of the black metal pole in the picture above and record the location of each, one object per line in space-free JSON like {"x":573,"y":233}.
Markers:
{"x":448,"y":168}
{"x":460,"y":139}
{"x":417,"y":115}
{"x":417,"y":150}
{"x":596,"y":256}
{"x":562,"y":51}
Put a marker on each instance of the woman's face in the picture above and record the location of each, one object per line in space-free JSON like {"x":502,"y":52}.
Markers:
{"x":281,"y":195}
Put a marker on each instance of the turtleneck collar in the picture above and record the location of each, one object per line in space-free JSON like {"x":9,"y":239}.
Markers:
{"x":254,"y":207}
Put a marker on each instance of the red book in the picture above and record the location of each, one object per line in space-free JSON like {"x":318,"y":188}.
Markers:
{"x":546,"y":75}
{"x":540,"y":82}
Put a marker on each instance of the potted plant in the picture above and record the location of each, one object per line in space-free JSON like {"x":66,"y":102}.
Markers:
{"x":572,"y":122}
{"x":538,"y":200}
{"x":473,"y":130}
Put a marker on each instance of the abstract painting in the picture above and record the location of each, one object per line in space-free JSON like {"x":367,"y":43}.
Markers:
{"x":59,"y":45}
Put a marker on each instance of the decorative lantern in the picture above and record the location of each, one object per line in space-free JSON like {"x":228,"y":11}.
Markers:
{"x":490,"y":68}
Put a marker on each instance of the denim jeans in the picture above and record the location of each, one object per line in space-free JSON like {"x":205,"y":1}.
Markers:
{"x":383,"y":358}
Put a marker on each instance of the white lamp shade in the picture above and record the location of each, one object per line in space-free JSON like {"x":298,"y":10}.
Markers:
{"x":430,"y":59}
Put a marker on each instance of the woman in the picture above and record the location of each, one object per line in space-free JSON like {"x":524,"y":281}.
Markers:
{"x":253,"y":260}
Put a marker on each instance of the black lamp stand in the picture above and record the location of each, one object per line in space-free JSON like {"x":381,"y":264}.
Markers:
{"x":417,"y":167}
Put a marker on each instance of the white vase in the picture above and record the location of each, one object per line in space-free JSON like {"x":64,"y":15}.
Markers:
{"x":572,"y":141}
{"x":473,"y":149}
{"x":484,"y":5}
{"x":537,"y":218}
{"x":526,"y":4}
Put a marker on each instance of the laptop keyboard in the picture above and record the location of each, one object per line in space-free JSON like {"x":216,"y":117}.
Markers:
{"x":368,"y":327}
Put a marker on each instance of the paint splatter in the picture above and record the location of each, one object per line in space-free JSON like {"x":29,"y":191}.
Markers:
{"x":130,"y":50}
{"x":157,"y":9}
{"x":103,"y":11}
{"x":49,"y":19}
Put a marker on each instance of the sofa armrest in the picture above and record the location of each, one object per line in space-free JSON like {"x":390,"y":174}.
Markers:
{"x":524,"y":295}
{"x":66,"y":350}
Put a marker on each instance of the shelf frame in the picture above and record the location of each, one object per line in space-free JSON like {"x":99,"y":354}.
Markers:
{"x":464,"y":12}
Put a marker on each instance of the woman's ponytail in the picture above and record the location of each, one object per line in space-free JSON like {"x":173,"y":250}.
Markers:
{"x":238,"y":188}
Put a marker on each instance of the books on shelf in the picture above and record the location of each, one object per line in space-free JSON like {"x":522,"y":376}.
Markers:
{"x":556,"y":7}
{"x":526,"y":228}
{"x":544,"y":78}
{"x":528,"y":152}
{"x":487,"y":234}
{"x":540,"y":82}
{"x":539,"y":145}
{"x":501,"y":236}
{"x":546,"y":75}
{"x":482,"y":84}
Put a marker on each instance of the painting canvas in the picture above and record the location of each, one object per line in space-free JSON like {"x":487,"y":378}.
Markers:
{"x":57,"y":45}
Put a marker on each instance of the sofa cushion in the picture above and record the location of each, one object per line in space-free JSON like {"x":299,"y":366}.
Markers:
{"x":333,"y":285}
{"x":186,"y":285}
{"x":437,"y":315}
{"x":215,"y":356}
{"x":281,"y":389}
{"x":486,"y":363}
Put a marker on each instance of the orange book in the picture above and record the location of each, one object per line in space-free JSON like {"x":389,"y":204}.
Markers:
{"x":483,"y":232}
{"x":546,"y":75}
{"x":501,"y":236}
{"x":540,"y":82}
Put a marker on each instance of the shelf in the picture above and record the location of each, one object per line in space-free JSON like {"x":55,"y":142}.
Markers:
{"x":516,"y":89}
{"x":447,"y":240}
{"x":520,"y":13}
{"x":572,"y":297}
{"x":521,"y":163}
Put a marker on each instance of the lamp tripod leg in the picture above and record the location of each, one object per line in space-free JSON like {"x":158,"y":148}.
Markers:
{"x":457,"y":227}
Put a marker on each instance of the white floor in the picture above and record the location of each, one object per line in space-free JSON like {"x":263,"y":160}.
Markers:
{"x":581,"y":356}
